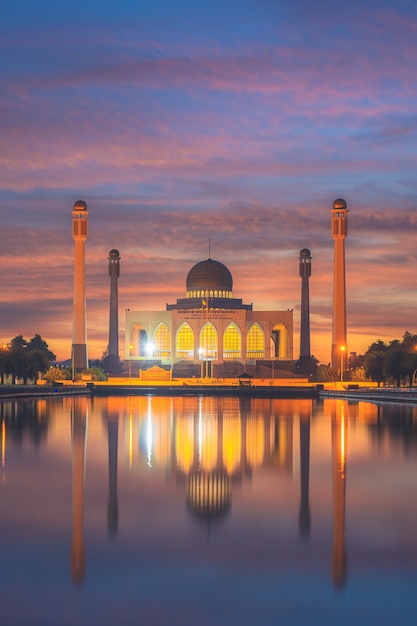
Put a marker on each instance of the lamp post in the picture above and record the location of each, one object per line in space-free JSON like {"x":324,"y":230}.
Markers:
{"x":342,"y":352}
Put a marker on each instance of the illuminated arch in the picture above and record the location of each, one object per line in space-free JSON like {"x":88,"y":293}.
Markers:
{"x":255,"y":342}
{"x":232,"y":342}
{"x":185,"y":342}
{"x":279,"y":342}
{"x":208,"y":342}
{"x":162,"y":341}
{"x":137,"y":341}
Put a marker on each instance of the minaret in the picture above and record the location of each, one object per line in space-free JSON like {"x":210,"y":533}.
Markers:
{"x":305,"y":273}
{"x":114,"y":273}
{"x":79,"y":334}
{"x":339,"y":234}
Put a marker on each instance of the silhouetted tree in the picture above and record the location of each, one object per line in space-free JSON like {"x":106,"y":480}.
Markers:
{"x":395,"y":364}
{"x":39,"y":344}
{"x":374,"y":361}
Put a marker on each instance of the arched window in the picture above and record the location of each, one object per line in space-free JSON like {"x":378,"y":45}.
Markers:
{"x":137,"y":341}
{"x":279,"y":342}
{"x":162,"y":342}
{"x":185,"y":342}
{"x":232,"y":342}
{"x":208,"y":342}
{"x":255,"y":343}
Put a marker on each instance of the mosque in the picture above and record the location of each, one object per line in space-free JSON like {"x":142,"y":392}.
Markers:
{"x":210,"y":332}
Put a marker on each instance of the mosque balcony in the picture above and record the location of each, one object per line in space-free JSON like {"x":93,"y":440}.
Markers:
{"x":209,"y":303}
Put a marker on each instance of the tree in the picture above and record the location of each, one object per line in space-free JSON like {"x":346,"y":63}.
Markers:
{"x":25,"y":359}
{"x":35,"y":363}
{"x":395,"y":363}
{"x":374,"y":361}
{"x":39,"y":344}
{"x":374,"y":366}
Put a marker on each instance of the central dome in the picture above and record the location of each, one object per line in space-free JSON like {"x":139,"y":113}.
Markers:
{"x":209,"y":275}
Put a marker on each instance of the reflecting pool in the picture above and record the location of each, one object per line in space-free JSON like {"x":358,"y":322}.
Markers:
{"x":207,"y":511}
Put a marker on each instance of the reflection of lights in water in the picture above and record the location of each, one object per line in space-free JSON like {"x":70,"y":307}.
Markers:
{"x":130,"y":439}
{"x":3,"y":444}
{"x":200,"y":430}
{"x":342,"y":438}
{"x":149,"y":433}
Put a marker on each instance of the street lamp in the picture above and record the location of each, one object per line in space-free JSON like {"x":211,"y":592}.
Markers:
{"x":342,"y":352}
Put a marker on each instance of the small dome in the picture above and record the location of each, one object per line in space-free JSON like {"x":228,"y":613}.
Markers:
{"x":114,"y":254}
{"x":211,"y":275}
{"x":80,"y":205}
{"x":339,"y":204}
{"x":305,"y":253}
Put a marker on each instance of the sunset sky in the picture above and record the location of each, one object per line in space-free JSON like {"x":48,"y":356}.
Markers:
{"x":239,"y":121}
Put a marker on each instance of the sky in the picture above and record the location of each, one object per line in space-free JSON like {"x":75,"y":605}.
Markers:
{"x":238,"y":121}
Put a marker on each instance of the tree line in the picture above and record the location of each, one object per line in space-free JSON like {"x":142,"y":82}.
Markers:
{"x":394,"y":363}
{"x":23,"y":359}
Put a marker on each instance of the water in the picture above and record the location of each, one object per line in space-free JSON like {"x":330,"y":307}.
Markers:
{"x":207,"y":511}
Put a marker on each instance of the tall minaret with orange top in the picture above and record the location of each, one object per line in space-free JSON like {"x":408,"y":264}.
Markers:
{"x":339,"y":234}
{"x":79,"y":333}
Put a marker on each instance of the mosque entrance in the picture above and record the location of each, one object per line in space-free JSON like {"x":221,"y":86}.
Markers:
{"x":138,"y":342}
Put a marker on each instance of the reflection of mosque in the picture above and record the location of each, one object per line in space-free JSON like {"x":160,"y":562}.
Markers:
{"x":215,"y":444}
{"x":209,"y":446}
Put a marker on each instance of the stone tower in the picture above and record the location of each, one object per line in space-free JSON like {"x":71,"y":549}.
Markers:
{"x":79,"y":333}
{"x":339,"y":234}
{"x":114,"y":273}
{"x":305,"y":273}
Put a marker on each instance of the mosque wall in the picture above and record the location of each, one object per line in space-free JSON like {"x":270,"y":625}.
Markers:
{"x":217,"y":335}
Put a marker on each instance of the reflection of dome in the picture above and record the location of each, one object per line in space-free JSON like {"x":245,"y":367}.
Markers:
{"x":305,"y":253}
{"x":211,"y":275}
{"x":209,"y":496}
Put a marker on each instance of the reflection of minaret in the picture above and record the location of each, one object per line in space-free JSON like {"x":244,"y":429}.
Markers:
{"x":79,"y":333}
{"x":114,"y":273}
{"x":339,"y":434}
{"x":305,"y":273}
{"x":339,"y":234}
{"x":305,"y":517}
{"x":79,"y":430}
{"x":112,"y":509}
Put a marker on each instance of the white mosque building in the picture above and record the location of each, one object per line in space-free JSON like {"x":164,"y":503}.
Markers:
{"x":209,"y":332}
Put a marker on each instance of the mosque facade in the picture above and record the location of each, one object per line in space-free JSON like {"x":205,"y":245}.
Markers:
{"x":208,"y":331}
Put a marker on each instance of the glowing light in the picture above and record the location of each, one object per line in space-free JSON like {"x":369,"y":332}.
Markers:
{"x":3,"y":444}
{"x":149,"y":433}
{"x":130,"y":435}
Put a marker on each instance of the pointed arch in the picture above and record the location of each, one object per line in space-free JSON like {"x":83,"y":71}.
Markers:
{"x":255,"y":342}
{"x":162,"y":341}
{"x":208,"y":345}
{"x":232,"y":342}
{"x":184,"y":346}
{"x":138,"y":339}
{"x":279,"y":341}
